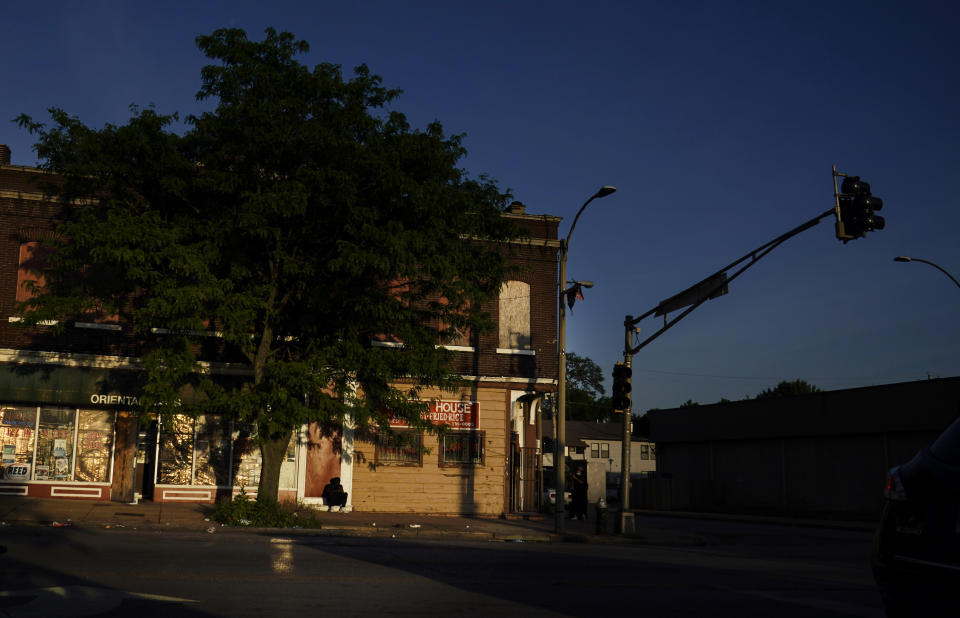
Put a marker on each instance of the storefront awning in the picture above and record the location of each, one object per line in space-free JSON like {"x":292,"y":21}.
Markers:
{"x":75,"y":386}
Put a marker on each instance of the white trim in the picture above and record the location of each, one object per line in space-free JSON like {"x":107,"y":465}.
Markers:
{"x":67,"y":359}
{"x":58,"y":482}
{"x":514,"y":397}
{"x":16,"y":319}
{"x":186,"y":495}
{"x":14,"y":490}
{"x":458,"y":348}
{"x":195,"y":333}
{"x":517,"y":351}
{"x":386,"y":344}
{"x":76,"y":492}
{"x":399,"y":344}
{"x":99,"y":361}
{"x":510,"y":380}
{"x":303,"y":438}
{"x":346,"y":460}
{"x":96,"y":326}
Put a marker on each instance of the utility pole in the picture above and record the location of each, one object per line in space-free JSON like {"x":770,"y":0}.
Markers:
{"x":559,"y":457}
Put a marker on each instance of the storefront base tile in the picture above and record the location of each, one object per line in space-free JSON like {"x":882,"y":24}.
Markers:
{"x":56,"y":490}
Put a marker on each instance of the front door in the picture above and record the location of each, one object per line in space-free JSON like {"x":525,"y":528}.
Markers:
{"x":146,"y":461}
{"x":123,"y":484}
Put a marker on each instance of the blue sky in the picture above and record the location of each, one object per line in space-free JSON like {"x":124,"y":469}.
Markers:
{"x":718,"y":123}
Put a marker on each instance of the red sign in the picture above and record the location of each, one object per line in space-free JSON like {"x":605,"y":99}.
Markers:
{"x":454,"y":414}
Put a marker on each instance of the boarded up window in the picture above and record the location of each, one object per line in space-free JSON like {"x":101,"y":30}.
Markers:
{"x":515,"y":315}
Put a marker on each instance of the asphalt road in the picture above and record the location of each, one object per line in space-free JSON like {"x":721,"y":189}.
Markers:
{"x":745,"y":570}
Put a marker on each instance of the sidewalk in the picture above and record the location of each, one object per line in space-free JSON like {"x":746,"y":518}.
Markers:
{"x":535,"y":527}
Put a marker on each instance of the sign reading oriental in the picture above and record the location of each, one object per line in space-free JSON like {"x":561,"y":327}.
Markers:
{"x":453,"y":414}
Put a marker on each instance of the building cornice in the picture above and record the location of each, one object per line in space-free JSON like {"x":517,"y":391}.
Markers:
{"x":101,"y":361}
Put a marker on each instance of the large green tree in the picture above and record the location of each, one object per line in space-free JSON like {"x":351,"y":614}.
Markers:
{"x":299,"y":219}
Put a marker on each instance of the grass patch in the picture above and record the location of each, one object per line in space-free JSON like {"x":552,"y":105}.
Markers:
{"x":264,"y":513}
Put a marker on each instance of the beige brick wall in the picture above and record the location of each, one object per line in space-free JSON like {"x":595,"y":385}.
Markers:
{"x":429,"y":488}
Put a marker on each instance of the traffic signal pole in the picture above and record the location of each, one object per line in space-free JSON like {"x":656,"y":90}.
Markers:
{"x":711,"y":287}
{"x":626,"y":522}
{"x":691,"y":298}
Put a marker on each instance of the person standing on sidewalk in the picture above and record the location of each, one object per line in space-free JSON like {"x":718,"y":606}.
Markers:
{"x":579,"y":502}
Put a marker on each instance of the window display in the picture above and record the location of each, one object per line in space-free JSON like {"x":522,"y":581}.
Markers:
{"x":18,"y":426}
{"x":94,"y":445}
{"x":198,"y":452}
{"x":246,"y":456}
{"x":211,"y":451}
{"x":175,"y":464}
{"x":55,"y":442}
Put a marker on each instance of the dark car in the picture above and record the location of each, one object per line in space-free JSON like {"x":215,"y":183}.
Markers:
{"x":916,"y":560}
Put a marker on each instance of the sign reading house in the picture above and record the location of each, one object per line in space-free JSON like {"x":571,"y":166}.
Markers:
{"x":453,"y":414}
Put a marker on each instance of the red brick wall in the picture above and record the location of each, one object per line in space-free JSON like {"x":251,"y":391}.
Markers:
{"x":25,"y":216}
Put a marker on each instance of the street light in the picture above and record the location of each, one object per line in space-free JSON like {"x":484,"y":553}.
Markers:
{"x":559,"y":451}
{"x":903,"y":258}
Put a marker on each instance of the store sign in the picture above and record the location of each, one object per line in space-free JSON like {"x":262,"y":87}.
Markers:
{"x":18,"y":418}
{"x":114,"y":400}
{"x":17,"y":472}
{"x":453,"y":414}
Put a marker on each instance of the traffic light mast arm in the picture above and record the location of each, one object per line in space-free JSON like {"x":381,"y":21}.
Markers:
{"x":753,"y":257}
{"x":836,"y":202}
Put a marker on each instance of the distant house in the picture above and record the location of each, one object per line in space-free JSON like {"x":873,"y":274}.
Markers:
{"x":599,"y":446}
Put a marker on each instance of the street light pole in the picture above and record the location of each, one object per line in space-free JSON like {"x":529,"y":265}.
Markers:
{"x":903,"y":258}
{"x":559,"y":449}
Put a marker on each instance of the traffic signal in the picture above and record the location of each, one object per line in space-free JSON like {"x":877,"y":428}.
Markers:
{"x":856,"y":209}
{"x":621,"y":386}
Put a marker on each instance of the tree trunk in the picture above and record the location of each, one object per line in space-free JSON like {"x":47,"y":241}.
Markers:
{"x":272,"y":454}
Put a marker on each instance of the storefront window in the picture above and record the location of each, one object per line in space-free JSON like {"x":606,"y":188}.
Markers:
{"x":18,"y":426}
{"x":288,"y":469}
{"x":194,"y":451}
{"x":211,"y":451}
{"x":94,"y":444}
{"x":55,"y":444}
{"x":176,"y":451}
{"x":246,"y":456}
{"x":401,"y":448}
{"x":462,"y":448}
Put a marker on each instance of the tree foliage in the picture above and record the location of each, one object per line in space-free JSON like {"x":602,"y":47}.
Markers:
{"x":299,"y":220}
{"x":584,"y":375}
{"x":788,"y":389}
{"x":585,"y":394}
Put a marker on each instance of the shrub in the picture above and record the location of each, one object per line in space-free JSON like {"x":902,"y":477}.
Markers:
{"x":264,"y":513}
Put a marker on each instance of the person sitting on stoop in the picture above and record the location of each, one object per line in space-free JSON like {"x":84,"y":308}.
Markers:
{"x":333,"y":494}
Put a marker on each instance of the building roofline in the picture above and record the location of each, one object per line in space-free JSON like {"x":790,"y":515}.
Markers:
{"x":526,"y":217}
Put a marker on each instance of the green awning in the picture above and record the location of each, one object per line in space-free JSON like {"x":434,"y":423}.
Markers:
{"x":75,"y":386}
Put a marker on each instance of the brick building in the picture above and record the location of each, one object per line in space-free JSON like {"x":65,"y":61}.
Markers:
{"x":69,"y":402}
